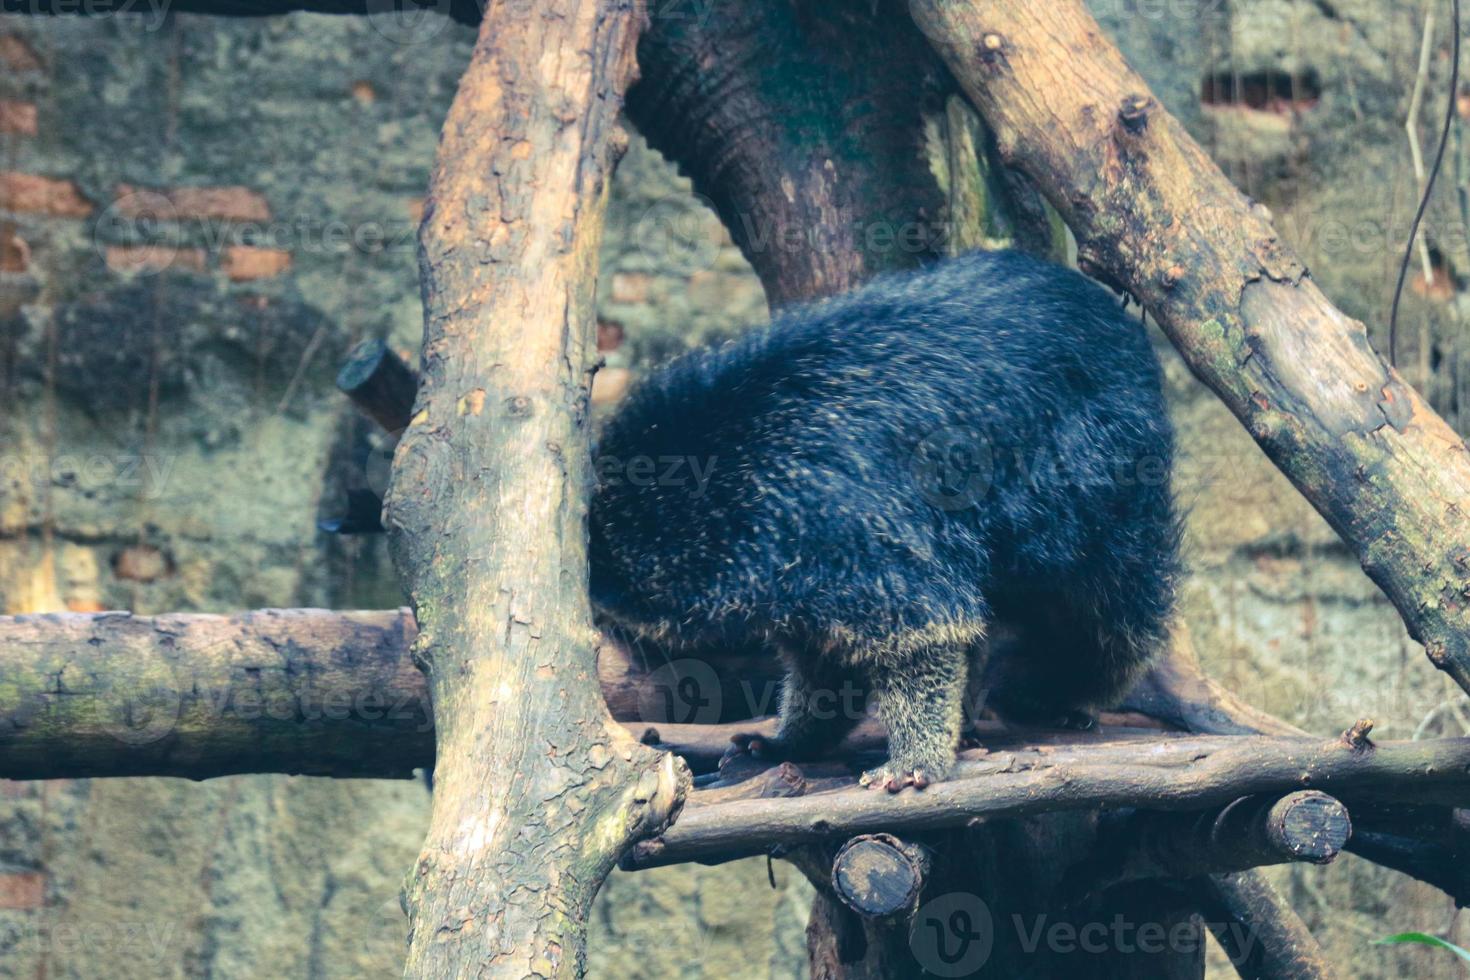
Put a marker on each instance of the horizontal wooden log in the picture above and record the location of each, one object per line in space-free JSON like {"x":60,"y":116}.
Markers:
{"x":306,"y":691}
{"x":280,"y":690}
{"x":1178,"y":773}
{"x":1249,"y":832}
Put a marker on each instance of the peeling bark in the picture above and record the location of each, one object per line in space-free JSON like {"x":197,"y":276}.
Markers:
{"x":537,"y":790}
{"x":1154,"y":215}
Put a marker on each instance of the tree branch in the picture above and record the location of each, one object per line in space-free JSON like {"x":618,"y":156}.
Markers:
{"x":537,"y":790}
{"x":279,"y":690}
{"x":1271,"y":941}
{"x":1153,"y":214}
{"x":302,"y":691}
{"x":1178,"y":773}
{"x":1248,"y":832}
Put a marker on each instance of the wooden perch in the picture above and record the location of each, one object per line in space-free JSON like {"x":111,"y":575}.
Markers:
{"x":1430,"y":843}
{"x":302,"y":691}
{"x":1249,"y":832}
{"x":1183,"y":772}
{"x":280,"y":690}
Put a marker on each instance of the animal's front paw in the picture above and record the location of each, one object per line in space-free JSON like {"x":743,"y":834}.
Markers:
{"x":757,"y":746}
{"x":894,"y":778}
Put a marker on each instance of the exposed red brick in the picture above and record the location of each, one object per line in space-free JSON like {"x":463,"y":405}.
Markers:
{"x":630,"y":287}
{"x":15,"y":254}
{"x":17,"y":118}
{"x":141,"y":563}
{"x":84,"y":606}
{"x":364,"y":92}
{"x":22,"y":890}
{"x":17,"y":55}
{"x":196,"y":203}
{"x":152,"y":258}
{"x":610,"y":334}
{"x":1441,"y":287}
{"x":245,"y":262}
{"x":42,"y":195}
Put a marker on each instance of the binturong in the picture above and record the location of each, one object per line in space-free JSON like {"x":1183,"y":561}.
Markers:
{"x":875,"y":484}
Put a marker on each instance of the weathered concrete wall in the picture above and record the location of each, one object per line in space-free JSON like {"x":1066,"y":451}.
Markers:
{"x":170,"y":435}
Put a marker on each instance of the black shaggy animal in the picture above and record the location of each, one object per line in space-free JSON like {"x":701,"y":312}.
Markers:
{"x":873,"y":481}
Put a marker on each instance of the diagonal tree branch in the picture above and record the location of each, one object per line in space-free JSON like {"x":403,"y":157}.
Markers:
{"x":1153,"y":214}
{"x":537,"y":790}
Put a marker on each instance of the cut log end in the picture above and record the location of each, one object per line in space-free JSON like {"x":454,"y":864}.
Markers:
{"x":380,"y":384}
{"x":879,"y":876}
{"x":1309,"y":826}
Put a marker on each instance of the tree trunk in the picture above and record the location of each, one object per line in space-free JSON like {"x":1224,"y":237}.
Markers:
{"x":537,"y":791}
{"x":1154,"y":215}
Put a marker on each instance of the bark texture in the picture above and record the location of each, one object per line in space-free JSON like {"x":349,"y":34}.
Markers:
{"x":1279,"y":945}
{"x":1154,"y":215}
{"x":279,"y":690}
{"x":812,"y":158}
{"x":1183,"y":773}
{"x":537,"y":789}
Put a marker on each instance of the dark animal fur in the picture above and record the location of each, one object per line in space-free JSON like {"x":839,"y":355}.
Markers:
{"x":834,"y":523}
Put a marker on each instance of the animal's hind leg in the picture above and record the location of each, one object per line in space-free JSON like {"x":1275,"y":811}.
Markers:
{"x":819,"y":706}
{"x":1064,"y":667}
{"x":921,"y":701}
